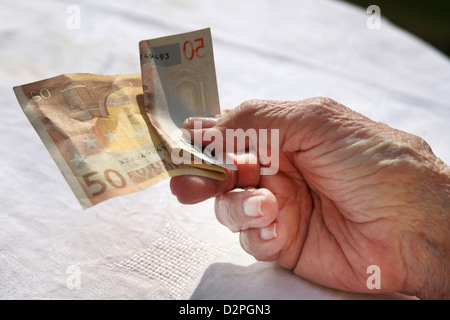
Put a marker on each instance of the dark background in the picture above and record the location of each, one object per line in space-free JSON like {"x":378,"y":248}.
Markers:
{"x":427,"y":19}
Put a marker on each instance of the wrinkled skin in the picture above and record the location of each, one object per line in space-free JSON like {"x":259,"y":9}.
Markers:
{"x":349,"y":193}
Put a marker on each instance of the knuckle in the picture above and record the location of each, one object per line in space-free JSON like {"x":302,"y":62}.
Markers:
{"x":247,"y":240}
{"x":251,"y":243}
{"x":250,"y":107}
{"x":322,"y":101}
{"x":257,"y":107}
{"x":224,"y":214}
{"x":421,"y":144}
{"x":324,"y":105}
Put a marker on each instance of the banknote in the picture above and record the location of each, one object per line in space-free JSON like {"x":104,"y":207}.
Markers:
{"x":179,"y":81}
{"x":98,"y":131}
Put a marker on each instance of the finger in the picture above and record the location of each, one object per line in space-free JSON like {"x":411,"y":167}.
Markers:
{"x":204,"y":122}
{"x":225,"y":111}
{"x":242,"y":209}
{"x":194,"y":189}
{"x":254,"y":125}
{"x":190,"y":189}
{"x":265,"y":243}
{"x":221,"y":139}
{"x":249,"y":170}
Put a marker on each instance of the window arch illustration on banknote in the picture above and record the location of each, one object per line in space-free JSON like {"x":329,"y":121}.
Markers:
{"x":190,"y":88}
{"x":82,"y":106}
{"x":65,"y":114}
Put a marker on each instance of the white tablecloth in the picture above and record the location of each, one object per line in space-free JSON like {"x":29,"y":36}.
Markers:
{"x":146,"y":245}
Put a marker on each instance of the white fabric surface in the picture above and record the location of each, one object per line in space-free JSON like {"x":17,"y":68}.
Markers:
{"x":146,"y":245}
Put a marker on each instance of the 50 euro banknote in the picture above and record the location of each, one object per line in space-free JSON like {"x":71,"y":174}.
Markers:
{"x":98,"y":132}
{"x":179,"y":81}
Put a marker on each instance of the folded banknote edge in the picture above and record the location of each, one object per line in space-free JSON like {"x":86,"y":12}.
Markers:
{"x":54,"y":153}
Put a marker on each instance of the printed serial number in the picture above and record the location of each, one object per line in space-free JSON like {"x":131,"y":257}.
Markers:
{"x":159,"y":56}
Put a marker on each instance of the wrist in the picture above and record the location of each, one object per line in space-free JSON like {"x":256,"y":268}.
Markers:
{"x":427,"y":249}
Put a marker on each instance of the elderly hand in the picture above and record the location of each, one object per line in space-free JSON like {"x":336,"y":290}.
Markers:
{"x":349,"y":193}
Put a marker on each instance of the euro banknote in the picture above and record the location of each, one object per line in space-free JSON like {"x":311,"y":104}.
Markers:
{"x":98,"y":131}
{"x":179,"y":81}
{"x":110,"y":135}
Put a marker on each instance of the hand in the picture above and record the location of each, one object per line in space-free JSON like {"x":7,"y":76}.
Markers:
{"x":349,"y":193}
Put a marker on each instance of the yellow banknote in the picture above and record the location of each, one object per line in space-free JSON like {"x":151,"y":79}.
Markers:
{"x":98,"y":131}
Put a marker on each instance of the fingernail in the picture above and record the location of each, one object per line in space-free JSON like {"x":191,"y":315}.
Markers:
{"x":186,"y":123}
{"x":199,"y":122}
{"x":252,"y":206}
{"x":269,"y":232}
